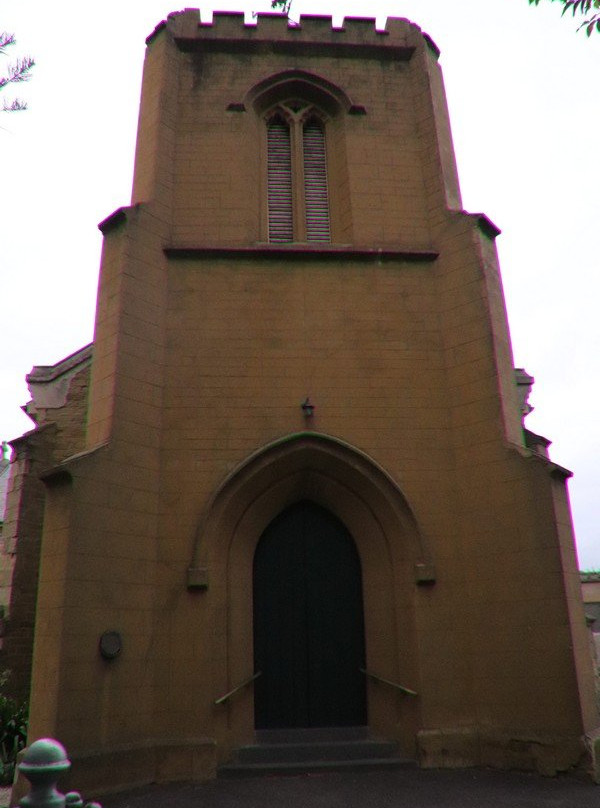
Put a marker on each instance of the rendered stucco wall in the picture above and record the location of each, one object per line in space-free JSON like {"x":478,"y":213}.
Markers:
{"x":208,"y":340}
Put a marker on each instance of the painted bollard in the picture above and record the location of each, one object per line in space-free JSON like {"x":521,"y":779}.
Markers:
{"x":42,"y":765}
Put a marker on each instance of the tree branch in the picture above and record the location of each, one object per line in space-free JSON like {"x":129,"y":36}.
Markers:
{"x":16,"y":73}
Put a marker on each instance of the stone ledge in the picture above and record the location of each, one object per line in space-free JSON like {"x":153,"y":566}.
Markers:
{"x":129,"y":766}
{"x":464,"y":747}
{"x":197,"y":578}
{"x":302,"y":252}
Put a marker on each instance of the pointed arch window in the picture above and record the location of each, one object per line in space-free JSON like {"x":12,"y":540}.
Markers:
{"x":316,"y":194}
{"x":279,"y":180}
{"x":297,"y":183}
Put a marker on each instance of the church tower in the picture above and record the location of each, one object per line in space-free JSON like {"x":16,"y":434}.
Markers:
{"x":305,"y":497}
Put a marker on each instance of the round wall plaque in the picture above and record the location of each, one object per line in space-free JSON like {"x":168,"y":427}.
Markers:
{"x":110,"y":644}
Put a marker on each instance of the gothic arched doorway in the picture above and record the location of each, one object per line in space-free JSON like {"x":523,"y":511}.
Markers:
{"x":308,"y":622}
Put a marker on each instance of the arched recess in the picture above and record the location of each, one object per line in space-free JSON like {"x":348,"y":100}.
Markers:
{"x":310,"y":86}
{"x":393,"y":556}
{"x":302,"y":94}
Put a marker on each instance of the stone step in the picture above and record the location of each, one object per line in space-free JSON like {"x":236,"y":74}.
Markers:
{"x":311,"y":734}
{"x":299,"y":751}
{"x":231,"y":770}
{"x":320,"y":750}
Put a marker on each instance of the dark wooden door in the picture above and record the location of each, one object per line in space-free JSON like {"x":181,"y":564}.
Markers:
{"x":308,"y":623}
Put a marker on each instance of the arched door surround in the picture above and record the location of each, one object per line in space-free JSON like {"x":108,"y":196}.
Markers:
{"x":393,"y":557}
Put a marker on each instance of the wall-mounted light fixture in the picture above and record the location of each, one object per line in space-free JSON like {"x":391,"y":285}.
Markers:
{"x":307,"y":408}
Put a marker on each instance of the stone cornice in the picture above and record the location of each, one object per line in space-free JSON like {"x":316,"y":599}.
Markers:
{"x":346,"y":50}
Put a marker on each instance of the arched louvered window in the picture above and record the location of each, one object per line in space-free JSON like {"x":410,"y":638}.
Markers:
{"x":297,"y":192}
{"x":316,"y":197}
{"x":279,"y":183}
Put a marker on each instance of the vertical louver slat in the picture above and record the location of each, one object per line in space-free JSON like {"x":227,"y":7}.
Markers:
{"x":315,"y":183}
{"x":279,"y":181}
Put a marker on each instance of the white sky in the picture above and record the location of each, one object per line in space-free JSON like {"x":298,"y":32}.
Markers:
{"x":522,"y":91}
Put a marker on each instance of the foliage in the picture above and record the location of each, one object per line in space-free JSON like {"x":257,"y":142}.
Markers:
{"x":283,"y":5}
{"x":591,"y":23}
{"x":16,"y":73}
{"x":13,"y":731}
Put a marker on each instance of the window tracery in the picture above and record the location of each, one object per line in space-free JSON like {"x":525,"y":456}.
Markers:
{"x":297,"y":177}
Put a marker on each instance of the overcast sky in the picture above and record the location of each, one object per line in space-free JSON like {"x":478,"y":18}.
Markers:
{"x":523,"y":94}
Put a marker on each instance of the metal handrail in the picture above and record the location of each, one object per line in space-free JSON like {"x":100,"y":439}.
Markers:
{"x":406,"y":690}
{"x":223,"y":699}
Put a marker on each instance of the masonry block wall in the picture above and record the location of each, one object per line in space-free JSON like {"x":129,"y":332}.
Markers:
{"x":209,"y":337}
{"x":20,"y":557}
{"x":59,"y":433}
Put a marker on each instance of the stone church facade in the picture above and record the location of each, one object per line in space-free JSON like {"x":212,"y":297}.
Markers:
{"x":301,"y":453}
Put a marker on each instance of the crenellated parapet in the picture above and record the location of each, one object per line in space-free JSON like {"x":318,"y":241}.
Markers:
{"x":356,"y":36}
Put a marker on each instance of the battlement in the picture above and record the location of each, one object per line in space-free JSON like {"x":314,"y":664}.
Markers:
{"x":399,"y":36}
